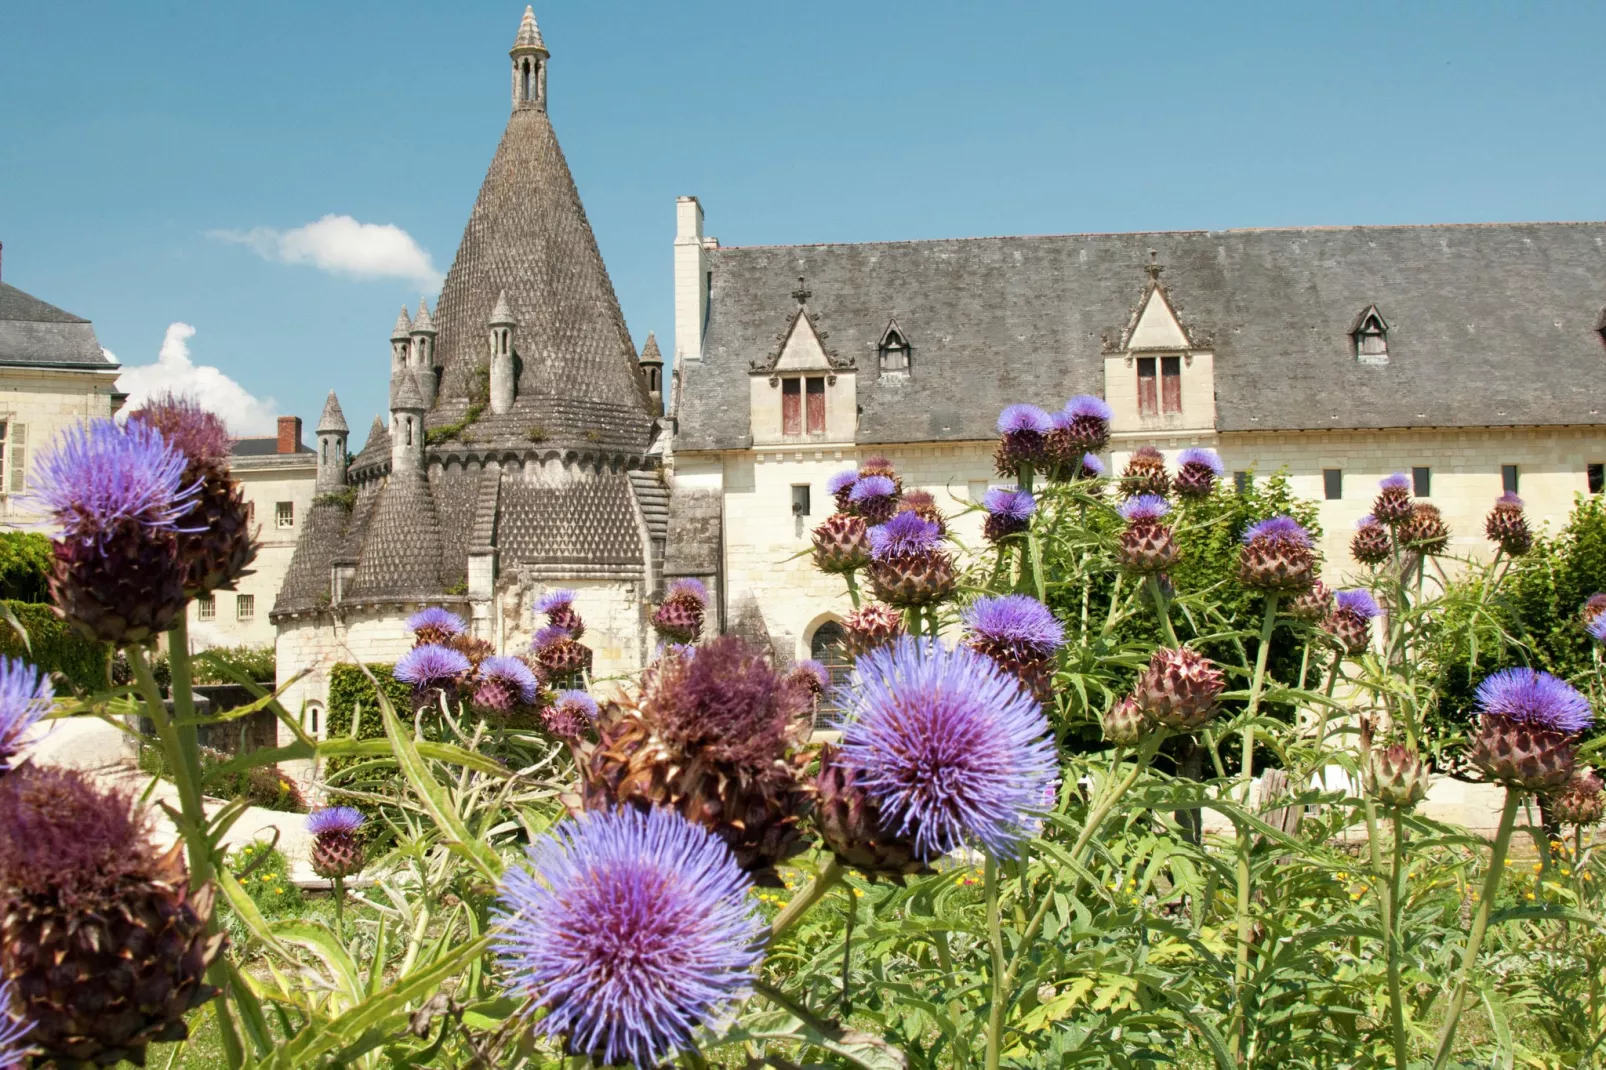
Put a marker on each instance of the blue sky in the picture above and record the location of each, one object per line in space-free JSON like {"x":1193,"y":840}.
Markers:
{"x":132,"y":135}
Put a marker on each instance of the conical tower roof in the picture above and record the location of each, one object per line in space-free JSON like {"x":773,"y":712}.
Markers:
{"x":403,"y":326}
{"x":422,"y":324}
{"x":404,"y":393}
{"x":528,"y":237}
{"x":649,"y":352}
{"x":332,"y":419}
{"x":529,"y":33}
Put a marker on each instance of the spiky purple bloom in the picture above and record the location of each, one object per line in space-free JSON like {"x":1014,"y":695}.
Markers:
{"x":1532,"y":697}
{"x":512,"y":675}
{"x":96,"y":476}
{"x":1282,"y":529}
{"x":1597,"y":627}
{"x":1016,"y":505}
{"x":430,"y":665}
{"x":903,"y":535}
{"x":1088,"y":405}
{"x":872,"y":487}
{"x":633,"y":930}
{"x":555,"y":599}
{"x":819,"y":673}
{"x":1092,"y":467}
{"x":13,"y":1032}
{"x":199,"y":435}
{"x":333,"y":819}
{"x":1018,"y":418}
{"x":951,"y":748}
{"x":1359,"y":602}
{"x":842,"y":481}
{"x":1143,"y":509}
{"x":578,"y":704}
{"x":25,"y":697}
{"x":549,"y":635}
{"x":1195,"y":455}
{"x":1397,"y":481}
{"x":1510,"y":500}
{"x":1367,"y":521}
{"x":1017,"y":621}
{"x":688,"y":588}
{"x":436,"y":620}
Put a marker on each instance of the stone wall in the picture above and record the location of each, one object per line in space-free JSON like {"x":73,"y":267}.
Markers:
{"x":44,"y":402}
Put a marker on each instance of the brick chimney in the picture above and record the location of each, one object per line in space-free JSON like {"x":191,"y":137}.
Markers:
{"x":289,"y":434}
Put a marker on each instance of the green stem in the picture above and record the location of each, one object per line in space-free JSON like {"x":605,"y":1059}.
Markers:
{"x":812,"y":893}
{"x":1162,"y":609}
{"x":995,"y":942}
{"x":1391,"y":933}
{"x":1245,"y":926}
{"x":945,"y":961}
{"x":847,"y":955}
{"x":853,"y":587}
{"x":340,"y":910}
{"x":1480,"y":923}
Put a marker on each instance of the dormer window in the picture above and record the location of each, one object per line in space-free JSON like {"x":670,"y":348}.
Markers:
{"x":894,"y":351}
{"x":1371,"y":335}
{"x":1159,"y":386}
{"x":803,"y":404}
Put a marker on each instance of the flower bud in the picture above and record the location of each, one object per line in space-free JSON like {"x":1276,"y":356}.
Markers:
{"x":1146,"y":546}
{"x":1145,"y":473}
{"x":1371,"y":545}
{"x":1395,"y":776}
{"x":1180,"y":689}
{"x":1125,"y":724}
{"x":1507,"y":527}
{"x":1393,"y":505}
{"x":841,"y":544}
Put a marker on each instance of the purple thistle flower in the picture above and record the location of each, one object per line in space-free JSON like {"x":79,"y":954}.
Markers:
{"x":1143,"y":509}
{"x":1018,"y":418}
{"x":1204,"y":458}
{"x":1510,"y":500}
{"x":1092,"y":467}
{"x":1358,"y":602}
{"x":1397,"y":481}
{"x":820,"y":674}
{"x":1280,"y":529}
{"x":430,"y":665}
{"x":841,"y":481}
{"x":512,"y":674}
{"x":25,"y":697}
{"x":903,"y":535}
{"x":1015,"y":620}
{"x":952,"y":749}
{"x":577,"y":703}
{"x":436,"y":620}
{"x":13,"y":1033}
{"x":1088,"y":405}
{"x":1528,"y":696}
{"x":688,"y":588}
{"x":332,"y":819}
{"x":1367,"y":521}
{"x":633,"y":931}
{"x":97,"y":476}
{"x":199,"y":435}
{"x":1597,"y":627}
{"x":555,"y":599}
{"x":549,"y":635}
{"x":1017,"y":505}
{"x":873,"y":487}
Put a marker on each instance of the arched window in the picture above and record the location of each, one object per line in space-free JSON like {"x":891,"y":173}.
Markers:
{"x":829,"y":647}
{"x":529,"y":82}
{"x":409,"y":421}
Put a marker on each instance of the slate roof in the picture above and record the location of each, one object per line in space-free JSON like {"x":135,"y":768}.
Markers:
{"x":33,"y":332}
{"x":587,"y":521}
{"x":332,"y":420}
{"x":260,"y":447}
{"x":401,"y":553}
{"x":306,"y":580}
{"x":1489,"y":325}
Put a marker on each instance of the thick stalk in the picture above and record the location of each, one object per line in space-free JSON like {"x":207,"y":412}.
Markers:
{"x":1245,"y":926}
{"x":995,"y":943}
{"x":853,"y":587}
{"x":1391,"y":933}
{"x":1162,"y":609}
{"x":847,"y":954}
{"x":812,"y":893}
{"x":340,"y":910}
{"x":945,"y":961}
{"x":1480,"y":923}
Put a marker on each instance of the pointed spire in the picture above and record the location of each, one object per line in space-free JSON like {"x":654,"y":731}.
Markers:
{"x":529,"y":33}
{"x":423,"y":324}
{"x":404,"y":394}
{"x":649,"y":352}
{"x":502,"y":315}
{"x":332,"y":420}
{"x":403,"y":327}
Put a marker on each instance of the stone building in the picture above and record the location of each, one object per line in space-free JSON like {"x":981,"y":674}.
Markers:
{"x":53,"y":374}
{"x":520,"y":448}
{"x":1468,"y":356}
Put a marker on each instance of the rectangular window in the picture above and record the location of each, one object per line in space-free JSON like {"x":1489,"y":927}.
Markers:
{"x":284,"y":514}
{"x":1148,"y":389}
{"x":800,"y":499}
{"x":245,"y":606}
{"x":816,"y":404}
{"x":206,"y":608}
{"x":1170,"y":384}
{"x":17,"y":458}
{"x":1596,"y":474}
{"x":791,"y":406}
{"x":1421,"y":482}
{"x":1333,"y":483}
{"x":1241,"y":482}
{"x":1508,"y":478}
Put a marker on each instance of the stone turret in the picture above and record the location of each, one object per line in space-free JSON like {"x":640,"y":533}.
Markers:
{"x":504,"y":377}
{"x":422,"y":360}
{"x":406,"y":424}
{"x":529,"y":55}
{"x":332,"y":432}
{"x":652,"y":372}
{"x":401,"y":343}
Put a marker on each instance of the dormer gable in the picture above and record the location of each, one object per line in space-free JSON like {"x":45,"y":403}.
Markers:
{"x":893,"y":351}
{"x":1600,"y":325}
{"x":1156,"y":323}
{"x":802,"y":391}
{"x":801,"y":346}
{"x":1370,"y":334}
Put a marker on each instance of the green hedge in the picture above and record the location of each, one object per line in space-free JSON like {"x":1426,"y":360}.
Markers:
{"x":55,"y":647}
{"x":348,"y":686}
{"x":25,"y":562}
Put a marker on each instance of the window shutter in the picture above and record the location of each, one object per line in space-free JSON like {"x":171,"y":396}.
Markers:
{"x":19,"y":458}
{"x":1148,"y":402}
{"x":816,"y":406}
{"x":1171,"y":384}
{"x":791,"y":407}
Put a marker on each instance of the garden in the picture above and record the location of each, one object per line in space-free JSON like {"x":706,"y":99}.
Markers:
{"x":1127,"y":784}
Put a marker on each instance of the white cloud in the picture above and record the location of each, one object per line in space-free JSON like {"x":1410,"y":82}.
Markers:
{"x":340,"y":245}
{"x":174,"y":372}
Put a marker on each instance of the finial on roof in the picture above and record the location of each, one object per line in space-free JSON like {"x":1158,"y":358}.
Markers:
{"x":650,"y":353}
{"x":529,"y":36}
{"x":403,"y":327}
{"x":802,"y":294}
{"x":502,"y":315}
{"x":423,"y":324}
{"x":332,"y":420}
{"x":1154,"y":267}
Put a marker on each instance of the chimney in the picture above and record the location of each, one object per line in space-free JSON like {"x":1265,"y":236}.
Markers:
{"x":289,"y":434}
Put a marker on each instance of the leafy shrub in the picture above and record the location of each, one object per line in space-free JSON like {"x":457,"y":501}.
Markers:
{"x":25,"y":562}
{"x":258,"y":663}
{"x":349,"y":686}
{"x":265,"y":874}
{"x":53,"y":646}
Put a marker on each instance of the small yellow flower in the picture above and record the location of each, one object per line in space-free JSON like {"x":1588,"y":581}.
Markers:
{"x":1530,"y":895}
{"x":1355,"y":896}
{"x":1509,"y":862}
{"x":1343,"y":876}
{"x":858,"y":891}
{"x":1538,"y":866}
